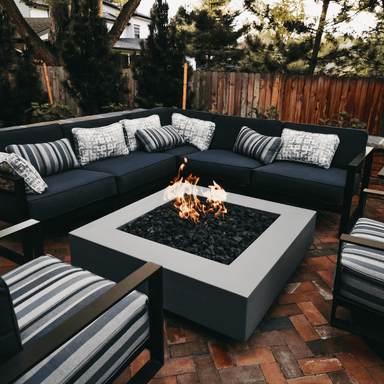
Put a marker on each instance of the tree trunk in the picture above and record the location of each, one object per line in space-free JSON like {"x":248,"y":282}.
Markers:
{"x":319,"y":34}
{"x":122,"y":20}
{"x":43,"y":52}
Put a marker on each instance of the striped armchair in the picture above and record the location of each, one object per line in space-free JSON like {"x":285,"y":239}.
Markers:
{"x":359,"y":279}
{"x":62,"y":324}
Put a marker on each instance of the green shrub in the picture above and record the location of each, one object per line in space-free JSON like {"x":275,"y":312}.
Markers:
{"x":47,"y":112}
{"x":269,"y":113}
{"x":345,"y":120}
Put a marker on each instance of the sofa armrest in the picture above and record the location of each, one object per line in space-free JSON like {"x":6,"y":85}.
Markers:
{"x":378,"y":245}
{"x":33,"y":354}
{"x":365,"y":157}
{"x":32,"y":241}
{"x":21,"y":197}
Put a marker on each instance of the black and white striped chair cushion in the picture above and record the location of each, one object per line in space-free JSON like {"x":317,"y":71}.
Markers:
{"x":47,"y":291}
{"x":362,"y":279}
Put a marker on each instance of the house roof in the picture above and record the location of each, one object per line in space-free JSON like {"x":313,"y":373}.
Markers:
{"x":40,"y":25}
{"x":128,"y":44}
{"x":115,"y":6}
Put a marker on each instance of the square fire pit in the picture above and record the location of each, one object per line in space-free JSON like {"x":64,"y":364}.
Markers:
{"x":231,"y":299}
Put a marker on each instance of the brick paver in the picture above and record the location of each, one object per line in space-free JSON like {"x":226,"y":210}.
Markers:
{"x":293,"y":344}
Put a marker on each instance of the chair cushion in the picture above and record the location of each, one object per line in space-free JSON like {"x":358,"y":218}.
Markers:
{"x":10,"y":342}
{"x":45,"y":292}
{"x":16,"y":165}
{"x":307,"y":147}
{"x":252,"y":144}
{"x":48,"y":158}
{"x":159,"y":139}
{"x":362,"y":278}
{"x":94,"y":144}
{"x":136,"y":169}
{"x":71,"y":190}
{"x":220,"y":164}
{"x":132,"y":125}
{"x":196,"y":132}
{"x":308,"y":181}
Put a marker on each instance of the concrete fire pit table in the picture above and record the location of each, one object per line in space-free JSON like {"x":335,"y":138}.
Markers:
{"x":231,"y":299}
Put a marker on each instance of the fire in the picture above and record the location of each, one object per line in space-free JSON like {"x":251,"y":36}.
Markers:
{"x":186,"y":202}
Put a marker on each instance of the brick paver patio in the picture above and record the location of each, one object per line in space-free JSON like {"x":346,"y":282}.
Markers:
{"x":293,"y":344}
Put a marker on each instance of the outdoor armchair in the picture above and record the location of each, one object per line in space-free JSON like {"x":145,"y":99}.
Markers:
{"x":60,"y":323}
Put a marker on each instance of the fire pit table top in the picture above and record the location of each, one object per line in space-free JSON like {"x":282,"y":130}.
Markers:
{"x":232,"y":299}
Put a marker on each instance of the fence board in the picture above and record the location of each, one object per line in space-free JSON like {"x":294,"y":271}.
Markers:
{"x":214,"y":90}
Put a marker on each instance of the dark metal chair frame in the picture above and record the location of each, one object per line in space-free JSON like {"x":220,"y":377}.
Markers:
{"x":31,"y":239}
{"x":339,"y":300}
{"x":150,"y":274}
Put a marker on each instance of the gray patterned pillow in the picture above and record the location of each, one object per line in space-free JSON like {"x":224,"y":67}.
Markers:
{"x":306,"y":147}
{"x":198,"y":133}
{"x":132,"y":125}
{"x":16,"y":165}
{"x":94,"y":144}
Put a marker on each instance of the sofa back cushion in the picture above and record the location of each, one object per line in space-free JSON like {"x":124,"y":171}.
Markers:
{"x":29,"y":134}
{"x":352,"y":141}
{"x":163,"y":112}
{"x":228,"y":128}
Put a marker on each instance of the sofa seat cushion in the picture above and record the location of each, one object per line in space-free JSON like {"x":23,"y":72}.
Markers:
{"x":220,"y":164}
{"x":70,"y":190}
{"x":310,"y":182}
{"x":136,"y":169}
{"x":182,"y":151}
{"x":45,"y":292}
{"x":362,"y":276}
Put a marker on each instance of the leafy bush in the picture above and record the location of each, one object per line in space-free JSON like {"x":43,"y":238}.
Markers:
{"x":222,"y":112}
{"x":269,"y":113}
{"x":47,"y":112}
{"x":345,"y":120}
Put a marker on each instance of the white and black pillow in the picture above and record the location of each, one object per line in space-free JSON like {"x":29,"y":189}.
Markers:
{"x":48,"y":158}
{"x":94,"y":144}
{"x":132,"y":125}
{"x":252,"y":144}
{"x":159,"y":139}
{"x":198,"y":133}
{"x":307,"y":147}
{"x":16,"y":165}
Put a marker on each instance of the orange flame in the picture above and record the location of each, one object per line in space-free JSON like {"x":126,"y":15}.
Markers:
{"x":186,"y":202}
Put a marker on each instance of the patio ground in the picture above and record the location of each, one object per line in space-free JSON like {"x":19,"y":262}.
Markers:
{"x":293,"y":344}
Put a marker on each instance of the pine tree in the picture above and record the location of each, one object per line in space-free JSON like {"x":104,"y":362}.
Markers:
{"x":20,"y":83}
{"x":211,"y":37}
{"x":95,"y":76}
{"x":158,"y":68}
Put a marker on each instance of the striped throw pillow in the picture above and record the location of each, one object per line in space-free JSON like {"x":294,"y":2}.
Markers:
{"x":48,"y":158}
{"x":159,"y":139}
{"x":252,"y":144}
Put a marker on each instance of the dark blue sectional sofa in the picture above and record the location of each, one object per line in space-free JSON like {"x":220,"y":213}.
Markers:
{"x":117,"y":181}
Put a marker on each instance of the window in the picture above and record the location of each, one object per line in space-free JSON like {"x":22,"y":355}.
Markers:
{"x":136,"y":31}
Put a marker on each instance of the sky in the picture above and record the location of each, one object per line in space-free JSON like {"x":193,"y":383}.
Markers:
{"x":362,"y":23}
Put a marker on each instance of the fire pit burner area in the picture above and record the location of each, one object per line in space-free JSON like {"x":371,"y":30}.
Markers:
{"x":218,"y":238}
{"x":230,"y":299}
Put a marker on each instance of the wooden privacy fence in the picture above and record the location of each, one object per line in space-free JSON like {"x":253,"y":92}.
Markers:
{"x":300,"y":98}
